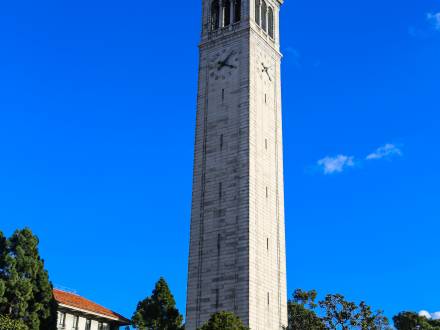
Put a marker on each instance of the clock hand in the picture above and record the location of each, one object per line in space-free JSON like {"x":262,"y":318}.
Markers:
{"x":228,"y":57}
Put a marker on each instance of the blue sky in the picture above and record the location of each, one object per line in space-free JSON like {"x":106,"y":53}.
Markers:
{"x":97,"y":113}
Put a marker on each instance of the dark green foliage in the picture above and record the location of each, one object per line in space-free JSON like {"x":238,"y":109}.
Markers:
{"x":301,"y":311}
{"x":8,"y":324}
{"x":25,"y":291}
{"x":224,"y":321}
{"x":368,"y":319}
{"x":159,"y":311}
{"x":334,"y":313}
{"x":411,"y":321}
{"x":338,"y":313}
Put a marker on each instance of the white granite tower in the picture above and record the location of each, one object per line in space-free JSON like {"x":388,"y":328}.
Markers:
{"x":237,"y":245}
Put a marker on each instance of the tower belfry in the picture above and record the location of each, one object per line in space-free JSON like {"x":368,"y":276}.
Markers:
{"x":237,"y":256}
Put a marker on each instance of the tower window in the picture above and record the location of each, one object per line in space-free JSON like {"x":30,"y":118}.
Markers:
{"x":215,"y":15}
{"x":265,"y":143}
{"x":219,"y":237}
{"x":265,"y":98}
{"x":257,"y":12}
{"x":270,"y":22}
{"x":268,"y":299}
{"x":221,"y":142}
{"x":237,"y":11}
{"x":267,"y":192}
{"x":264,"y":16}
{"x":223,"y":94}
{"x":217,"y":298}
{"x":220,"y":188}
{"x":226,"y":8}
{"x":267,"y":244}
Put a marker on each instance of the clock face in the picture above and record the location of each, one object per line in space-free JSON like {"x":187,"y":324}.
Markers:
{"x":223,"y":64}
{"x":264,"y":68}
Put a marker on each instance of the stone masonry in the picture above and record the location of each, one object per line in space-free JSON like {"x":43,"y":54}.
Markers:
{"x":237,"y":242}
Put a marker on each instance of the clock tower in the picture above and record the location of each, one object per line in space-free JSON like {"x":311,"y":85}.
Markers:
{"x":237,"y":258}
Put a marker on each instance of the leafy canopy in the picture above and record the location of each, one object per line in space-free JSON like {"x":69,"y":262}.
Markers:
{"x":158,"y":312}
{"x":411,"y":321}
{"x":334,"y":312}
{"x":224,"y":321}
{"x":25,"y":291}
{"x":8,"y":324}
{"x":301,"y":311}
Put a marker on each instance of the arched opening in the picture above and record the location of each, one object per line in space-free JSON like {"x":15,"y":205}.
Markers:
{"x":226,"y":7}
{"x":215,"y":15}
{"x":237,"y":11}
{"x":270,"y":22}
{"x":257,"y":12}
{"x":264,"y":15}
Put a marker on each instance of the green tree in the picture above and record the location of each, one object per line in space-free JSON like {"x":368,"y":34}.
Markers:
{"x":301,"y":311}
{"x":7,"y":323}
{"x":27,"y":292}
{"x":339,"y":313}
{"x":411,"y":321}
{"x":369,"y":320}
{"x":158,"y":312}
{"x":224,"y":321}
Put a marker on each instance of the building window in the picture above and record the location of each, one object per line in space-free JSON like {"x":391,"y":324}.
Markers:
{"x":75,"y":322}
{"x":264,"y":16}
{"x":237,"y":11}
{"x":265,"y":143}
{"x":223,"y":95}
{"x":270,"y":22}
{"x":100,"y":326}
{"x":61,"y":319}
{"x":88,"y":324}
{"x":219,"y":239}
{"x":220,"y":190}
{"x":257,"y":12}
{"x":268,"y":299}
{"x":221,"y":142}
{"x":217,"y":298}
{"x":215,"y":15}
{"x":267,"y":192}
{"x":267,"y":244}
{"x":226,"y":7}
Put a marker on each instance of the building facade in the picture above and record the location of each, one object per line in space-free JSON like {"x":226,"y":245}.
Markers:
{"x":237,"y":256}
{"x":78,"y":313}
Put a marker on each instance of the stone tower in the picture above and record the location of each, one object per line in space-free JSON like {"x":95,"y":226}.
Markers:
{"x":237,"y":243}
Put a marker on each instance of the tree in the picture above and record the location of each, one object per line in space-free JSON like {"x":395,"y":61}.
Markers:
{"x":342,"y":314}
{"x":27,"y":291}
{"x":339,"y":313}
{"x":369,"y":320}
{"x":8,"y":324}
{"x":334,"y":313}
{"x":224,"y":321}
{"x":158,"y":312}
{"x":301,"y":311}
{"x":411,"y":321}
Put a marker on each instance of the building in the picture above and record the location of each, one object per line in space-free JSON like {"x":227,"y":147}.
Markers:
{"x":78,"y":313}
{"x":237,"y":242}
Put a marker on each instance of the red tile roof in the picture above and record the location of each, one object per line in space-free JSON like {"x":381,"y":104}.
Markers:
{"x":75,"y":301}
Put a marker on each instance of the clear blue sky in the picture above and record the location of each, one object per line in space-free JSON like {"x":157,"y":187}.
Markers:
{"x":97,"y":113}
